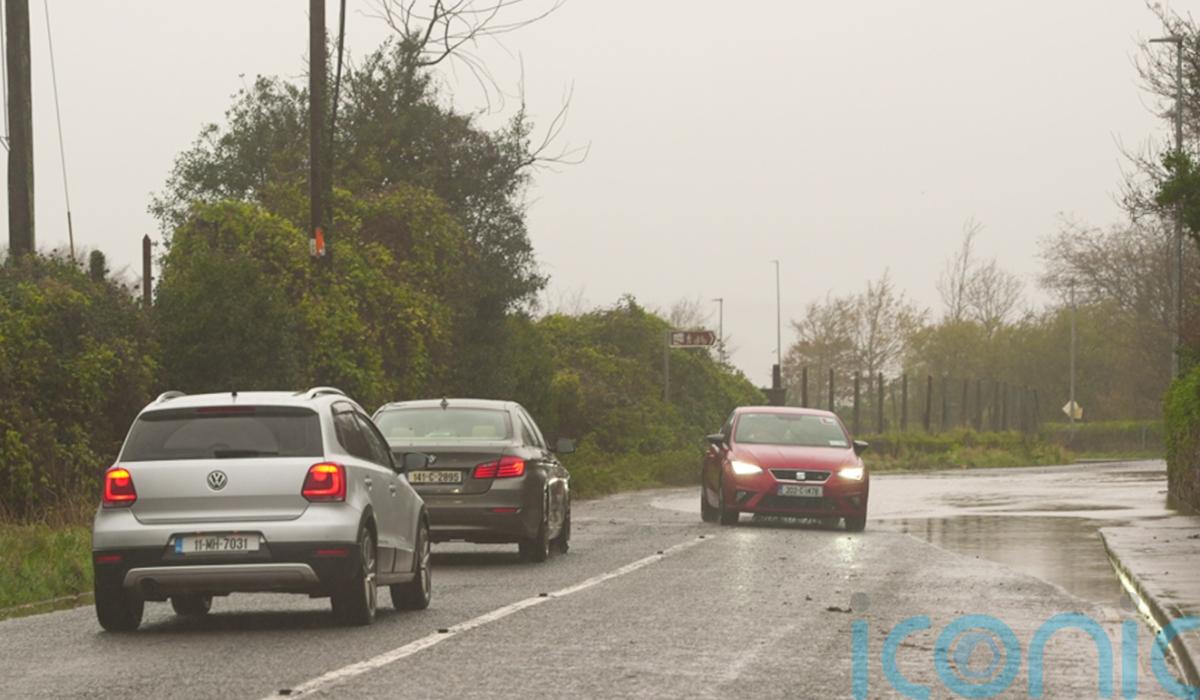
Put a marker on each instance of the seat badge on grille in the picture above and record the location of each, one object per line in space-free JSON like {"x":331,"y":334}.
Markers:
{"x":800,"y":476}
{"x":217,"y":480}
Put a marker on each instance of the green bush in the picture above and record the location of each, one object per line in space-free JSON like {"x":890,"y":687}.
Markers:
{"x":1182,"y":419}
{"x":960,"y":449}
{"x":1110,"y":437}
{"x":78,"y":365}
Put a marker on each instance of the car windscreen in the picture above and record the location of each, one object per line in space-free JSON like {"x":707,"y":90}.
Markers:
{"x":436,"y":423}
{"x":790,"y":429}
{"x":224,"y":432}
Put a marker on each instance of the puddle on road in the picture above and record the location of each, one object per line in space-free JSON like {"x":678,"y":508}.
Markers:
{"x":1064,"y":551}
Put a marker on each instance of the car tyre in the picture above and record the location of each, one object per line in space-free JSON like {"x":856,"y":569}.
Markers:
{"x":416,"y":594}
{"x":117,"y":609}
{"x":707,"y":512}
{"x":725,"y":515}
{"x":857,"y":523}
{"x":354,"y":599}
{"x":562,"y":543}
{"x":537,"y":549}
{"x":191,"y":604}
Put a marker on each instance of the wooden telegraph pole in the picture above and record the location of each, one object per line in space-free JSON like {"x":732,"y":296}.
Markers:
{"x":316,"y":128}
{"x":21,"y":239}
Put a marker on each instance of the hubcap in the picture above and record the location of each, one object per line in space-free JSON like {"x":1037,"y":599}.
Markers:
{"x":368,"y":553}
{"x":425,"y":553}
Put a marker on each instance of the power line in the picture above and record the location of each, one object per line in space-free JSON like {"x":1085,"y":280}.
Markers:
{"x":62,"y":149}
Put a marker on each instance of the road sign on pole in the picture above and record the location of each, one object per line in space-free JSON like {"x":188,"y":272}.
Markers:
{"x":693,"y":339}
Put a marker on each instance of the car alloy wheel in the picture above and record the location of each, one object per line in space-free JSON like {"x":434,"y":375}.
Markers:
{"x":417,"y":593}
{"x":354,"y":600}
{"x":725,"y":515}
{"x":707,"y":513}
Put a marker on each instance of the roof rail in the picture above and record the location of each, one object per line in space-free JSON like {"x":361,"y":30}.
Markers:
{"x":321,"y":391}
{"x":168,"y":395}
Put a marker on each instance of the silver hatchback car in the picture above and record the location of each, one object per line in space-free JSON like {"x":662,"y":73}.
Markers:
{"x":265,"y":491}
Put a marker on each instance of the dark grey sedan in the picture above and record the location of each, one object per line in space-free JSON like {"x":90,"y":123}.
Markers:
{"x":492,"y":478}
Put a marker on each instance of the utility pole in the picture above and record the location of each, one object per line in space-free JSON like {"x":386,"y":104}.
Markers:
{"x":720,"y":328}
{"x":21,"y":238}
{"x":147,"y":273}
{"x":1071,"y":405}
{"x":1177,"y":273}
{"x":316,"y":128}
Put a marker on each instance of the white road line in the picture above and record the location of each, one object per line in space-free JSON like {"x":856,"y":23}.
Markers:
{"x":345,"y":673}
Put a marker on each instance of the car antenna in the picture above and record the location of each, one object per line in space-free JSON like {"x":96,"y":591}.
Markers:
{"x":445,"y":403}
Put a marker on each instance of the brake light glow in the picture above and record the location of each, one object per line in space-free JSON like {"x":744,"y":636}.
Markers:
{"x":325,"y":482}
{"x":118,"y":488}
{"x":503,"y":468}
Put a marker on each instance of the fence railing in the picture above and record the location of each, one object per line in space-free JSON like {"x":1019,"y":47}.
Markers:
{"x":879,"y":404}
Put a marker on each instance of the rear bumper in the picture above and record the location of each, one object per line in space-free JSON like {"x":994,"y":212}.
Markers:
{"x":158,"y":572}
{"x":497,"y":516}
{"x":759,"y":494}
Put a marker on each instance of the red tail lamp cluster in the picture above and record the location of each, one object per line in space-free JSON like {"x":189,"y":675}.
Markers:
{"x":503,"y":468}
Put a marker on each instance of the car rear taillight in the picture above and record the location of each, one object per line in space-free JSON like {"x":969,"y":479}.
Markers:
{"x":118,"y":488}
{"x":325,"y":482}
{"x":503,"y":468}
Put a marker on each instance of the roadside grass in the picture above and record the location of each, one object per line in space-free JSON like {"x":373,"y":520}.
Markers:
{"x":42,"y":562}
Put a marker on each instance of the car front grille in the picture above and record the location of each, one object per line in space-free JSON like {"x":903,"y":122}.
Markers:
{"x":806,"y":475}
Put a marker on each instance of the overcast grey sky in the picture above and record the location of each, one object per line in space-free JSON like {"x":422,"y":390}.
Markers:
{"x":843,"y":138}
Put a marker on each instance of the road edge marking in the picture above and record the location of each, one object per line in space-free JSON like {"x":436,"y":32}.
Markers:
{"x":340,"y":675}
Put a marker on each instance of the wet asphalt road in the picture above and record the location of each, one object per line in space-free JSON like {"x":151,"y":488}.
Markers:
{"x":761,"y":609}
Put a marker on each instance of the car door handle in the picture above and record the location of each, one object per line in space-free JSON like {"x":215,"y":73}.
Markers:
{"x":367,"y":481}
{"x":392,"y":488}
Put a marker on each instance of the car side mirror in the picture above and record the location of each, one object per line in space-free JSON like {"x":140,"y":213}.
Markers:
{"x":415,"y":460}
{"x":564,"y":446}
{"x":716,"y":439}
{"x":860,"y":446}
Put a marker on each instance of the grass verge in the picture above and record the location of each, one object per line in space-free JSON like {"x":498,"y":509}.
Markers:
{"x":43,"y":563}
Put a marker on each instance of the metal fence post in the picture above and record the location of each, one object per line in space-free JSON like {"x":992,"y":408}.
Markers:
{"x":857,"y":380}
{"x":928,"y":400}
{"x":903,"y":402}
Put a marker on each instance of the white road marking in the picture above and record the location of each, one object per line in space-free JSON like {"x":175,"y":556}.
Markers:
{"x":345,"y":673}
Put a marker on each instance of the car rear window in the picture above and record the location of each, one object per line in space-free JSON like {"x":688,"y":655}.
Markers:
{"x":445,"y":424}
{"x":224,"y":432}
{"x":790,"y":429}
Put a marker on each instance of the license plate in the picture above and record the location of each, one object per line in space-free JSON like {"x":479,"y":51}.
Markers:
{"x":209,"y":544}
{"x":446,"y":476}
{"x":801,"y":491}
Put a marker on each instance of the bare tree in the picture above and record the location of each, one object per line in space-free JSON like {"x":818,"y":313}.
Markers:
{"x":883,"y":320}
{"x":688,"y":314}
{"x":993,"y":296}
{"x":955,"y":279}
{"x":824,"y":341}
{"x":437,"y":32}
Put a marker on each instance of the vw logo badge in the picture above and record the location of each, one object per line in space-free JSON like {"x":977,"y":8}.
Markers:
{"x":217,"y":480}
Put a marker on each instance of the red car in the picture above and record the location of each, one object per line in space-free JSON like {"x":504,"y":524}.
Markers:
{"x":795,"y":462}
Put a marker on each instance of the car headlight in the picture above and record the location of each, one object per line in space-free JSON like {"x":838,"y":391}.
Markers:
{"x":744,"y":468}
{"x":855,"y":473}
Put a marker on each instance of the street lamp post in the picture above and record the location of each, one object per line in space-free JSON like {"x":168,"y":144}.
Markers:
{"x":778,"y":321}
{"x":1177,"y":282}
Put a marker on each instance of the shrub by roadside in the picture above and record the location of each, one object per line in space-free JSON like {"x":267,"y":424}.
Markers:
{"x":1181,"y":410}
{"x":960,"y":449}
